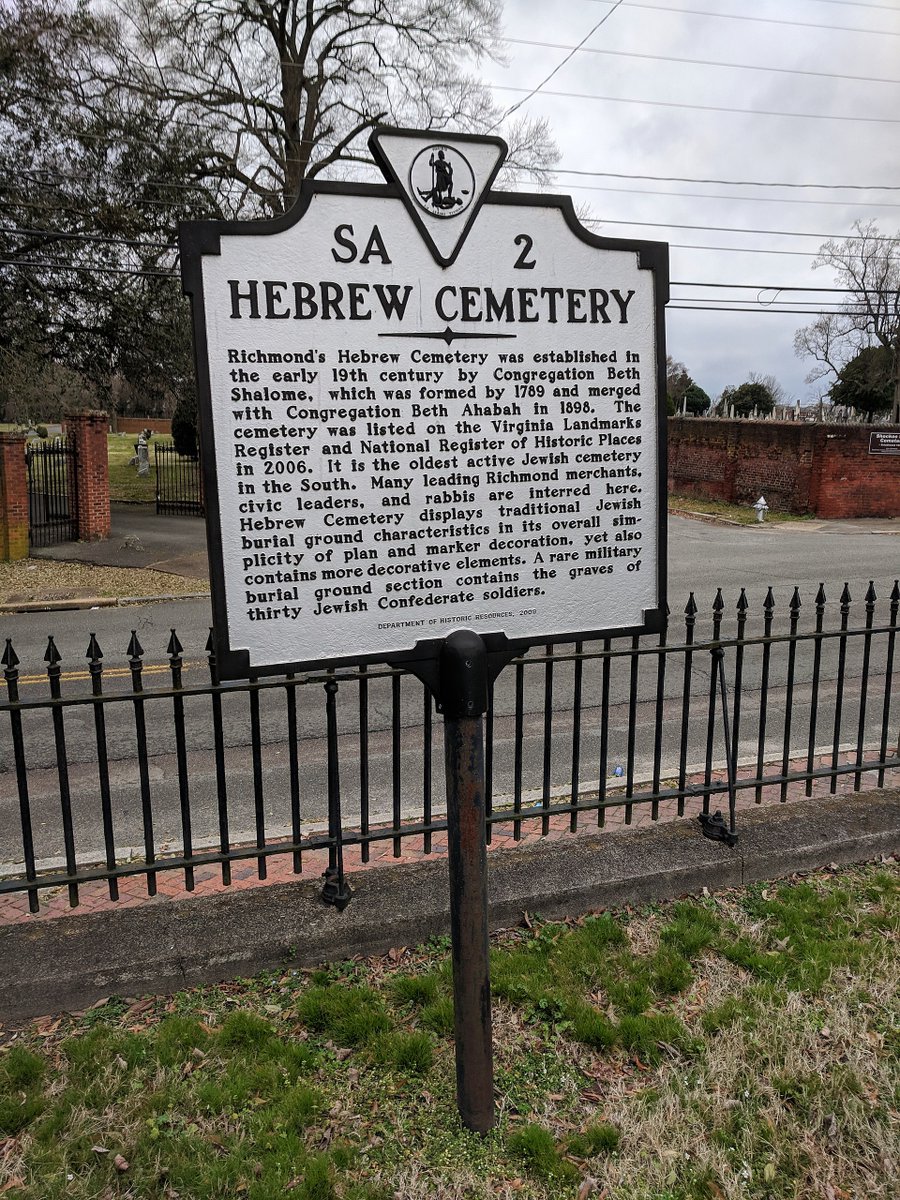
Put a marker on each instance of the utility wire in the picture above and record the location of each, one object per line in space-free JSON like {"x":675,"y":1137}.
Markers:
{"x":756,"y":287}
{"x":695,"y":12}
{"x":864,"y":187}
{"x":696,"y":62}
{"x":98,"y":270}
{"x":557,"y":68}
{"x":732,"y":229}
{"x":57,"y":235}
{"x":744,"y":112}
{"x":593,"y":187}
{"x":784,"y":312}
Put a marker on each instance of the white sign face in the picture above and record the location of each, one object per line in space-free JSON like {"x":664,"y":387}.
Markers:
{"x":403,"y":448}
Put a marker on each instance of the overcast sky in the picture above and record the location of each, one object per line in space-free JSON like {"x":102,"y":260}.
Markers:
{"x":656,"y":134}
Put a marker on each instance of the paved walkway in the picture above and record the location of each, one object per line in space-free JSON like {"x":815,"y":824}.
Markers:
{"x":141,"y":538}
{"x":94,"y":896}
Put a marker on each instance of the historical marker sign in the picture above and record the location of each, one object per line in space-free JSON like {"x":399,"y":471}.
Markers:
{"x":426,"y":405}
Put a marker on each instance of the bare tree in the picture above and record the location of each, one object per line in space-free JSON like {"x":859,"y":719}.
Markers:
{"x":289,"y":89}
{"x":867,"y":265}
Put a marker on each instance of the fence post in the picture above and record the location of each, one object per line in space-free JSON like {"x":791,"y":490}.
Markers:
{"x":13,"y":498}
{"x":88,"y":433}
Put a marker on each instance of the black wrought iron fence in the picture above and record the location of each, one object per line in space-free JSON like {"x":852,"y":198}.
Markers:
{"x":52,"y":491}
{"x":179,"y":488}
{"x":133,"y":771}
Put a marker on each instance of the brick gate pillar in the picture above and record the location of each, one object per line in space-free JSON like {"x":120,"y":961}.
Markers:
{"x":13,"y":498}
{"x":88,"y":433}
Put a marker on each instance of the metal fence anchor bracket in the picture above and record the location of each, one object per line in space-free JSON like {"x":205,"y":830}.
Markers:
{"x":335,"y":890}
{"x":716,"y":828}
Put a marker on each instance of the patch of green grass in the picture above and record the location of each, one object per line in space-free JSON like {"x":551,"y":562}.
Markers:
{"x":416,"y":989}
{"x":17,"y":1111}
{"x":646,"y":1035}
{"x":124,"y":481}
{"x":757,"y":1086}
{"x":408,"y":1052}
{"x":601,"y":1138}
{"x":742,"y":514}
{"x":352,"y":1016}
{"x":20,"y":1068}
{"x":592,"y":1028}
{"x":693,"y":930}
{"x":537,"y":1149}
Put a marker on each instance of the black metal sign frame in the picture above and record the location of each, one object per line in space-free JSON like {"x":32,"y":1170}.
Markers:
{"x":201,"y":238}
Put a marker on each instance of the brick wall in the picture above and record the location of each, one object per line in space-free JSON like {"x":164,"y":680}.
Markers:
{"x":799,"y":468}
{"x":136,"y":425}
{"x":88,"y":432}
{"x":849,"y":481}
{"x":13,"y":498}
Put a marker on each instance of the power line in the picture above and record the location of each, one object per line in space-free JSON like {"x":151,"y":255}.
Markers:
{"x":776,"y":287}
{"x":573,"y":50}
{"x":784,"y":312}
{"x":745,"y":250}
{"x":744,"y":112}
{"x":588,"y":187}
{"x":699,"y":62}
{"x":694,"y":12}
{"x":732,"y":229}
{"x":75,"y":178}
{"x":98,"y":270}
{"x":863,"y":187}
{"x":57,"y":235}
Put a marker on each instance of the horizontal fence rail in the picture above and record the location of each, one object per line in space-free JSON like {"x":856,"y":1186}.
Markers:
{"x":134,"y":771}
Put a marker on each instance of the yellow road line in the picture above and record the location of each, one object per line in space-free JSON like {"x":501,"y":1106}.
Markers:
{"x":109,"y":673}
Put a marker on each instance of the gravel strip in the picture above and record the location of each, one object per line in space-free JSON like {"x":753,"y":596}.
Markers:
{"x":43,"y":579}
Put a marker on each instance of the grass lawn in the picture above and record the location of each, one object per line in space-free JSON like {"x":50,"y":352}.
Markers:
{"x":124,"y":481}
{"x":743,"y":514}
{"x":741,"y":1046}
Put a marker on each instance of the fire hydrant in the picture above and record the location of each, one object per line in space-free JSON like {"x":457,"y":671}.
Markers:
{"x":761,"y":508}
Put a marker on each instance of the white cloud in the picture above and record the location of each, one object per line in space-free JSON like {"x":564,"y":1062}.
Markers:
{"x":650,"y":139}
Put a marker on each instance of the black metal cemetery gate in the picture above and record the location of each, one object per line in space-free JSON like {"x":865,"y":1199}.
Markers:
{"x":577,"y":736}
{"x":52,"y":468}
{"x":179,"y":490}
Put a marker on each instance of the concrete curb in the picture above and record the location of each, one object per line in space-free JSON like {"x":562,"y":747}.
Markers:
{"x":166,"y":945}
{"x":30,"y":606}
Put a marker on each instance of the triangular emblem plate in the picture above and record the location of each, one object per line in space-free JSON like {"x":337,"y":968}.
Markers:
{"x":443,"y":180}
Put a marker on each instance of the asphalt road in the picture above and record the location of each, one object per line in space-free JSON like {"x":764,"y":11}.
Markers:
{"x":702,"y":557}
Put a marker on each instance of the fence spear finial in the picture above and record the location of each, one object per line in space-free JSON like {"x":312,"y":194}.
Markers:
{"x":135,"y":649}
{"x":10,"y":659}
{"x":94,"y":653}
{"x":174,"y":647}
{"x":52,"y":655}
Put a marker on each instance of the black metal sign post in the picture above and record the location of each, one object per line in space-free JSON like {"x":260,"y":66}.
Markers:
{"x":464,"y":679}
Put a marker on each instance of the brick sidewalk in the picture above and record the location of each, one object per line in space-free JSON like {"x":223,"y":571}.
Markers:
{"x":94,"y":896}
